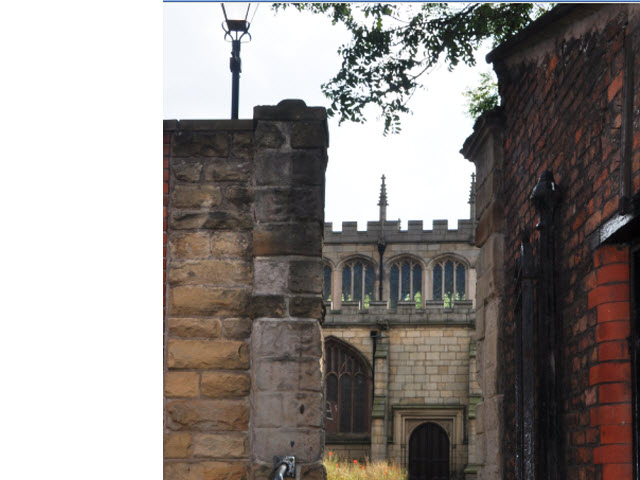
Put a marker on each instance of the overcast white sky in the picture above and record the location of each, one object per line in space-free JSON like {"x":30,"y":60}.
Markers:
{"x":290,"y":56}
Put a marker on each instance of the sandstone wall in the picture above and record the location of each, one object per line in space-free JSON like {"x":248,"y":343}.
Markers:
{"x":243,"y":345}
{"x":429,"y":365}
{"x":424,"y":365}
{"x":431,"y":369}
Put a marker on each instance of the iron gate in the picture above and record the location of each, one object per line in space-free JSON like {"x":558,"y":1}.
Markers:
{"x":536,"y":344}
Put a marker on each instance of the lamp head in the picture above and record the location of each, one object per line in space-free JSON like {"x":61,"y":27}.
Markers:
{"x":236,"y":28}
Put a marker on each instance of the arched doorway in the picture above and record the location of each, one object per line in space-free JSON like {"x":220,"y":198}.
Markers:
{"x":429,"y":453}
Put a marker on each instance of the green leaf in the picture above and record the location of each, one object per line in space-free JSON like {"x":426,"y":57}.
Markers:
{"x":393,"y":45}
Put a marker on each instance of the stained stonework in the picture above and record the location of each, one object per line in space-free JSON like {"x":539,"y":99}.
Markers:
{"x":243,"y":346}
{"x":417,"y":343}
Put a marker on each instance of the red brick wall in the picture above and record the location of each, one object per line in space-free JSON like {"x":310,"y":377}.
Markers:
{"x":563,"y":111}
{"x":610,"y":376}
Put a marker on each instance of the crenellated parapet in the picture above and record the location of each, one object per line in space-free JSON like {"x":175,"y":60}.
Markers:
{"x":393,"y":233}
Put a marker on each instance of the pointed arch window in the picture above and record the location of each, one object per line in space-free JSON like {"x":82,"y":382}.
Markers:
{"x":348,"y":389}
{"x":326,"y":283}
{"x":358,"y":277}
{"x":449,"y":281}
{"x":405,"y":282}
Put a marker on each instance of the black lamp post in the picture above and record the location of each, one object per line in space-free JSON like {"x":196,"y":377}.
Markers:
{"x":235,"y":31}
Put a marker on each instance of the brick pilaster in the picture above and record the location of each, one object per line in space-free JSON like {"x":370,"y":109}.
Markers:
{"x":610,"y":377}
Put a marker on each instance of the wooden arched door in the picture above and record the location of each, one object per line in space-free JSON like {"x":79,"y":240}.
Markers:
{"x":429,"y":453}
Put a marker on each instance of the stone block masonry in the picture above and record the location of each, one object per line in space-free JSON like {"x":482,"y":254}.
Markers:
{"x":489,"y":297}
{"x":244,"y":220}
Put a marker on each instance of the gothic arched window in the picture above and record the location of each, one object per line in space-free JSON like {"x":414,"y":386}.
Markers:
{"x":405,"y":282}
{"x":326,"y":283}
{"x":348,"y":389}
{"x":449,"y":281}
{"x":357,"y":282}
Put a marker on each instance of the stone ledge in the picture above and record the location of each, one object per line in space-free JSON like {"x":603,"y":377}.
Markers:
{"x":431,"y":406}
{"x":433,"y":313}
{"x":373,"y":324}
{"x":168,"y":125}
{"x":347,"y":439}
{"x":211,"y":125}
{"x":492,"y":120}
{"x":471,"y":469}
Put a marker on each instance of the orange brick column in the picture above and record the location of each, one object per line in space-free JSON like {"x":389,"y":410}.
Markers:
{"x":608,"y":294}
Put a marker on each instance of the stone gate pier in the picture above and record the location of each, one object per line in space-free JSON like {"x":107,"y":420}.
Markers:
{"x":242,"y":339}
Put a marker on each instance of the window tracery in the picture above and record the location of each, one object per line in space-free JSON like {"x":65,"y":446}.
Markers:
{"x":358,"y":277}
{"x":326,"y":283}
{"x":405,"y":282}
{"x":449,"y":281}
{"x":348,"y":389}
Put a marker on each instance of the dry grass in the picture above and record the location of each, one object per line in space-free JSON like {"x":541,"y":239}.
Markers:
{"x":338,"y":469}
